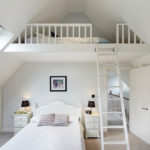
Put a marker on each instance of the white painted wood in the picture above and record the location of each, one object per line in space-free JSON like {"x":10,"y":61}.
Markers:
{"x":61,"y":32}
{"x":117,"y":33}
{"x":92,"y":126}
{"x":121,"y":28}
{"x":129,"y":35}
{"x":134,"y":38}
{"x":101,"y":92}
{"x":19,"y":39}
{"x":20,"y":121}
{"x":43,"y":27}
{"x":34,"y":27}
{"x":73,"y":30}
{"x":55,"y":34}
{"x":31,"y":34}
{"x":49,"y":33}
{"x":122,"y":34}
{"x":37,"y":34}
{"x":25,"y":35}
{"x":67,"y":31}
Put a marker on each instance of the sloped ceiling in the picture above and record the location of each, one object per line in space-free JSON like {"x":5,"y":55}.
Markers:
{"x":14,"y":15}
{"x":8,"y":65}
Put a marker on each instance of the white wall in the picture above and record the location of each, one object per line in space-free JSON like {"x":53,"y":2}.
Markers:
{"x":140,"y":98}
{"x":32,"y":80}
{"x":80,"y":17}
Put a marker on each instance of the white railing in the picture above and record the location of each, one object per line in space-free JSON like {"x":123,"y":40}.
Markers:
{"x":125,"y":35}
{"x":54,"y":33}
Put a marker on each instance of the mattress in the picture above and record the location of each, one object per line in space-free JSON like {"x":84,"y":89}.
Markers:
{"x":33,"y":137}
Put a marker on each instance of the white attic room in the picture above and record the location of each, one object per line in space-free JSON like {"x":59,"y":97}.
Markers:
{"x":74,"y":75}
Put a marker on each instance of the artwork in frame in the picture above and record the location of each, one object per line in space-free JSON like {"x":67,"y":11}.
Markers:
{"x":58,"y":83}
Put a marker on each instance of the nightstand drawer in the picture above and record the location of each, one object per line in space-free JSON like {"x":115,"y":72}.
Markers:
{"x":92,"y":125}
{"x":92,"y":119}
{"x":16,"y":130}
{"x":20,"y":124}
{"x":92,"y":133}
{"x":20,"y":118}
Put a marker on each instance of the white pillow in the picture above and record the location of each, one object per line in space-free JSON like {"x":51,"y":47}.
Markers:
{"x":74,"y":119}
{"x":35,"y":119}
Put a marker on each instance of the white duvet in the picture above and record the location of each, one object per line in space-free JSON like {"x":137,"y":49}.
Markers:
{"x":33,"y":137}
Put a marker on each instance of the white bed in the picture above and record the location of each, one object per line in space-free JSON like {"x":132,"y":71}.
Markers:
{"x":33,"y":137}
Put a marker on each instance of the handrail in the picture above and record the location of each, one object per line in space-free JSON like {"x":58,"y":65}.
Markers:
{"x":110,"y":93}
{"x":125,"y":35}
{"x":42,"y":33}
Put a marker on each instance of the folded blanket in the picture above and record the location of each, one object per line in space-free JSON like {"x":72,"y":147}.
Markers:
{"x":54,"y":120}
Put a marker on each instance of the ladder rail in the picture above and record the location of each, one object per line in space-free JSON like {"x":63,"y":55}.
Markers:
{"x":123,"y":107}
{"x":100,"y":105}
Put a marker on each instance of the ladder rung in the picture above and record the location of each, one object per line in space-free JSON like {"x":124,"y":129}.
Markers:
{"x":110,"y":65}
{"x":113,"y":127}
{"x":109,"y":75}
{"x":115,"y":142}
{"x":110,"y":86}
{"x":107,"y":53}
{"x":113,"y":99}
{"x":113,"y":112}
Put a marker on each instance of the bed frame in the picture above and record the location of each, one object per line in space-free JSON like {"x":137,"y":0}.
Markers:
{"x":58,"y":107}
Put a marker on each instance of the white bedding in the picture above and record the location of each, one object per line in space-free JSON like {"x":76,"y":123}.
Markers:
{"x":33,"y":137}
{"x":65,"y":40}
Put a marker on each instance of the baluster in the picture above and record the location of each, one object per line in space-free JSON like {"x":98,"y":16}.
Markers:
{"x":49,"y":29}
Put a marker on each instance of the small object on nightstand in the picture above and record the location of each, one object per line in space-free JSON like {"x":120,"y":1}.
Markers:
{"x":91,"y":104}
{"x":92,"y":126}
{"x":25,"y":106}
{"x":21,"y":120}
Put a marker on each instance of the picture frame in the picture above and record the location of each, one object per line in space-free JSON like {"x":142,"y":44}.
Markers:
{"x":58,"y":83}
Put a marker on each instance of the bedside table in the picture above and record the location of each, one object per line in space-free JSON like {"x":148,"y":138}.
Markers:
{"x":20,"y":121}
{"x":92,"y":125}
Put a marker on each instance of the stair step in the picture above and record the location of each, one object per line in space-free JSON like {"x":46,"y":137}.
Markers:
{"x":115,"y":142}
{"x":113,"y":127}
{"x":113,"y":112}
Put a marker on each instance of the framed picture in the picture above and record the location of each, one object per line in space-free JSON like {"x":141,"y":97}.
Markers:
{"x":58,"y":83}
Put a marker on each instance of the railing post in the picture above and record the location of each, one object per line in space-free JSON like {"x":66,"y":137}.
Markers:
{"x":37,"y":34}
{"x":49,"y":32}
{"x":55,"y":34}
{"x":31,"y":33}
{"x":85,"y":32}
{"x":43,"y":33}
{"x":25,"y":35}
{"x":117,"y":34}
{"x":122,"y":26}
{"x":129,"y":35}
{"x":90,"y":34}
